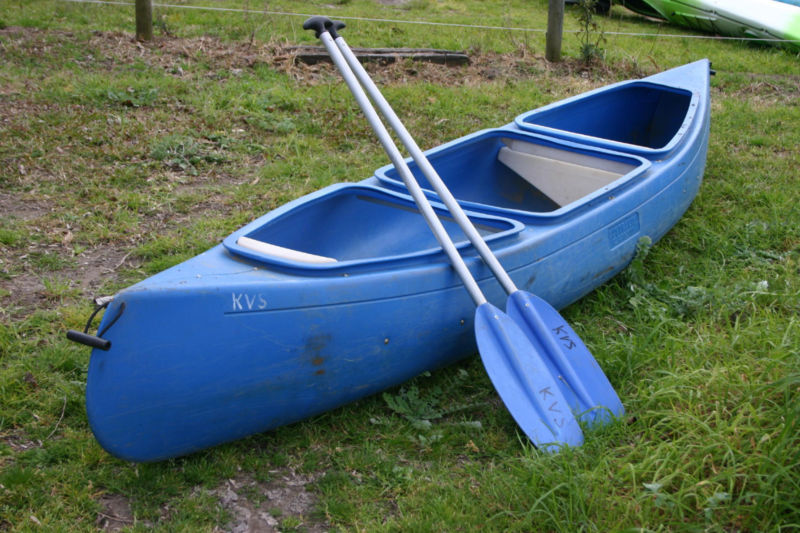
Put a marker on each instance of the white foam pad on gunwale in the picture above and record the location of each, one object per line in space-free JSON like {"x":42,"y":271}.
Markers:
{"x":281,"y":252}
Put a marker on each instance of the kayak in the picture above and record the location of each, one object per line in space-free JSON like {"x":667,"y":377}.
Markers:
{"x":760,"y":19}
{"x":345,"y":292}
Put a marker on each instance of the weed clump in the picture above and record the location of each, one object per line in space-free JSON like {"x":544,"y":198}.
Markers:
{"x":590,"y":35}
{"x":183,"y":153}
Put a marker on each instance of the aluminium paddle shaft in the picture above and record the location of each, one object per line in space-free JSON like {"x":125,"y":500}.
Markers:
{"x":422,"y":161}
{"x":320,"y":26}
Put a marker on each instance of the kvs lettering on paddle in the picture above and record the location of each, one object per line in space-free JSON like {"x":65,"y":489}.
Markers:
{"x":564,"y":336}
{"x":248,"y":302}
{"x":545,"y":392}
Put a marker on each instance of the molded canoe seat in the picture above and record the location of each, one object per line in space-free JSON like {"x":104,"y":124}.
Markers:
{"x":280,"y":251}
{"x":562,"y":175}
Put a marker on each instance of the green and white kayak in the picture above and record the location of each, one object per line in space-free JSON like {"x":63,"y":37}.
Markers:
{"x":761,"y":19}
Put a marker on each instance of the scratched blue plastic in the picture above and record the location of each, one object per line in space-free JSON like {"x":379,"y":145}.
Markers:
{"x":225,"y":345}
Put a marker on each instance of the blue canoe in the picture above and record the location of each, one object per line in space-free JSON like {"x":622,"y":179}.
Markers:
{"x":344,"y":292}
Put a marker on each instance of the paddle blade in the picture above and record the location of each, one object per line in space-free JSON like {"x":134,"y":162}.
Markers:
{"x":524,"y":382}
{"x":582,"y":381}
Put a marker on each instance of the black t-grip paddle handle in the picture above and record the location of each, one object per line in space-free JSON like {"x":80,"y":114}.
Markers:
{"x":336,"y":25}
{"x":318,"y":24}
{"x":321,"y":24}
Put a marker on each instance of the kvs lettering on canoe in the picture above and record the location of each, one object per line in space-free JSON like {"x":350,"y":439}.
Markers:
{"x":243,"y":302}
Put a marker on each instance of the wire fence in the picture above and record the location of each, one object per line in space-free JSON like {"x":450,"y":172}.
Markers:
{"x":432,"y":23}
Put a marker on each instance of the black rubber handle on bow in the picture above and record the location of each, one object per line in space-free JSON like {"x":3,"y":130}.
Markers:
{"x":318,"y":24}
{"x":89,"y":340}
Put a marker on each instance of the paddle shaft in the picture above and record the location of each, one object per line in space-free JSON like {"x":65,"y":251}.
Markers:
{"x":399,"y":162}
{"x":424,"y":164}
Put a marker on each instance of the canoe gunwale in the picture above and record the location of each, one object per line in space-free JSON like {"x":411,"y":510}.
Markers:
{"x":536,"y":218}
{"x":523,"y":121}
{"x":403,"y":201}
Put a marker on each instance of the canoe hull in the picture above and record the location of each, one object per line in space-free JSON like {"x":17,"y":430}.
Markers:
{"x":221,"y":347}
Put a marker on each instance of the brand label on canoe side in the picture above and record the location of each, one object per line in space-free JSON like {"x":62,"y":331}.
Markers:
{"x":624,"y":229}
{"x":243,"y":302}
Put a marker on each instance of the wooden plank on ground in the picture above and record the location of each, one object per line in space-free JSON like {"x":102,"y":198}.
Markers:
{"x":316,"y":54}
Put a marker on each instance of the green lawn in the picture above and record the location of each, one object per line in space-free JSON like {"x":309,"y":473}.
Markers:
{"x":118,"y":160}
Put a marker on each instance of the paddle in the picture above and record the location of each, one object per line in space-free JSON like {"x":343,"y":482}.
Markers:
{"x":580,"y":377}
{"x":526,"y":386}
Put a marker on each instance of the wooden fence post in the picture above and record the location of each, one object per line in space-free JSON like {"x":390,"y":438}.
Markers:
{"x":144,"y":20}
{"x":555,"y":27}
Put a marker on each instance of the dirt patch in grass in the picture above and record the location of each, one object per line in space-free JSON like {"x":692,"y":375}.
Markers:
{"x":37,"y":275}
{"x":284,"y":502}
{"x":47,"y":265}
{"x":116,"y":513}
{"x":771,"y":90}
{"x":172,"y":53}
{"x":18,"y":442}
{"x":16,"y":206}
{"x":483,"y":68}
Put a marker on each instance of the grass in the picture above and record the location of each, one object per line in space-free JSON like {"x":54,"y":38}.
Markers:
{"x":117,"y":161}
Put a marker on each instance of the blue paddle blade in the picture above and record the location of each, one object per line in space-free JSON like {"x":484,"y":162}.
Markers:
{"x":525,"y":384}
{"x":581,"y":380}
